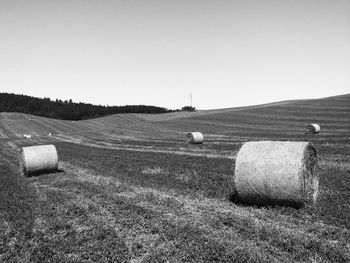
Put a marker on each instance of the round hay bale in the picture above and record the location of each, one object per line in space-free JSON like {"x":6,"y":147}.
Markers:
{"x":39,"y":159}
{"x":313,"y":128}
{"x":195,"y":137}
{"x":276,"y":173}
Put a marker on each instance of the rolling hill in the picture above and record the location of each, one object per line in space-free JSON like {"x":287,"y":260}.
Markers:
{"x":130,"y":189}
{"x":284,"y":119}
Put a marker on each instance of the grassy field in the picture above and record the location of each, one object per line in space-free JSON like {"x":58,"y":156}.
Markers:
{"x":130,"y":189}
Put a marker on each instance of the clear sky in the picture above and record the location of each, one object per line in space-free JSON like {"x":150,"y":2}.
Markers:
{"x":228,"y":53}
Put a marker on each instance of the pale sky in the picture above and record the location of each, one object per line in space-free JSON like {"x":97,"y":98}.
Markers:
{"x":228,"y":53}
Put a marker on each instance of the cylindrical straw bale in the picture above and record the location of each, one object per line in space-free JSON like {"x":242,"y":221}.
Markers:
{"x":313,"y":128}
{"x":39,"y":159}
{"x":276,"y":173}
{"x":195,"y":137}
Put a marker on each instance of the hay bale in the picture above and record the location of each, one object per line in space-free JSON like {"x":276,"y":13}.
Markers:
{"x":313,"y":128}
{"x":195,"y":137}
{"x":276,"y":173}
{"x":39,"y":159}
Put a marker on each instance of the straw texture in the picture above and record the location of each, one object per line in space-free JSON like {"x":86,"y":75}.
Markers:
{"x":276,"y":173}
{"x":39,"y":159}
{"x":195,"y":137}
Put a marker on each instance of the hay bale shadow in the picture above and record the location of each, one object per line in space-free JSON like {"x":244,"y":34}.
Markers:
{"x":262,"y":202}
{"x":44,"y":172}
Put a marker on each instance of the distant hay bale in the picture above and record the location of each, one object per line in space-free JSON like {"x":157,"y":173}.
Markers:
{"x":27,"y":136}
{"x":276,"y":173}
{"x":195,"y":137}
{"x":313,"y":128}
{"x":51,"y":133}
{"x":39,"y":159}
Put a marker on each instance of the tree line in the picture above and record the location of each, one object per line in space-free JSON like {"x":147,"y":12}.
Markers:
{"x":67,"y":110}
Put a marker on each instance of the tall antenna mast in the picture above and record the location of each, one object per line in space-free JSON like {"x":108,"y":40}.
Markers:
{"x":191,"y":98}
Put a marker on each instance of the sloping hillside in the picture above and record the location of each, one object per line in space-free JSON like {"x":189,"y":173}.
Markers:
{"x":270,"y":121}
{"x":224,"y":129}
{"x":16,"y":124}
{"x":130,"y":189}
{"x":286,"y":120}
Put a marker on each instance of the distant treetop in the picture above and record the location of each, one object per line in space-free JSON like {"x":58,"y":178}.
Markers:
{"x":188,"y":108}
{"x":67,"y":110}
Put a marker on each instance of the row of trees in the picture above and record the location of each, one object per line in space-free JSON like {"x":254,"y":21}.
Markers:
{"x":67,"y":110}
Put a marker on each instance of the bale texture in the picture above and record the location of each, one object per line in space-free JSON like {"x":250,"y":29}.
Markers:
{"x":313,"y":128}
{"x":195,"y":137}
{"x":39,"y":159}
{"x":276,"y":173}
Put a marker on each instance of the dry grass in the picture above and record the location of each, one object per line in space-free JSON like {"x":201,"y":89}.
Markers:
{"x":126,"y":195}
{"x":156,"y":224}
{"x":126,"y":220}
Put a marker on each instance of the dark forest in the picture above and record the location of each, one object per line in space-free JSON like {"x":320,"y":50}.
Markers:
{"x":67,"y":109}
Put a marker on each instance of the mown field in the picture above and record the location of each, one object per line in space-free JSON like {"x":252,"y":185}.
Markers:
{"x":130,"y":189}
